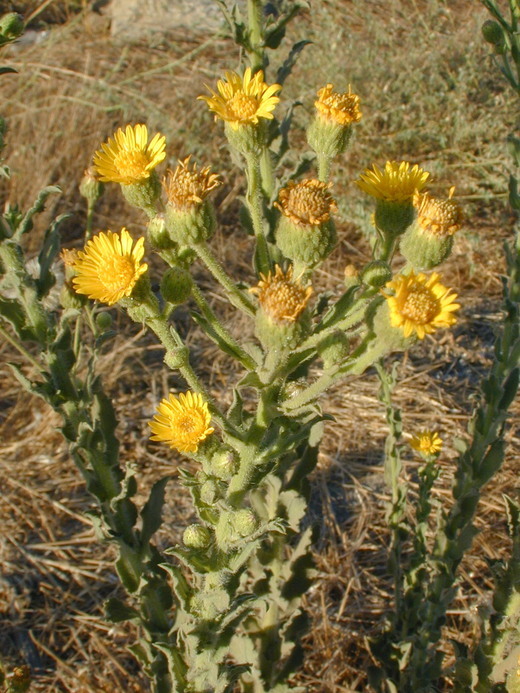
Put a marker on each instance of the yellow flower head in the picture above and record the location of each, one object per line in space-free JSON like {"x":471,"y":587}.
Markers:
{"x":109,"y":266}
{"x":187,"y":187}
{"x":243,"y":100}
{"x":438,"y":217}
{"x":397,"y":183}
{"x":182,"y":422}
{"x":308,"y":202}
{"x":127,"y":157}
{"x":280,"y":297}
{"x":338,"y":107}
{"x":420,"y":304}
{"x":426,"y":442}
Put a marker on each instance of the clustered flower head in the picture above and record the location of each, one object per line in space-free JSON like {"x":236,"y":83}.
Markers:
{"x":398,"y":182}
{"x":338,"y":107}
{"x":420,"y":304}
{"x":308,"y":202}
{"x":109,"y":266}
{"x":426,"y":442}
{"x":282,"y":298}
{"x":188,"y":187}
{"x":127,"y":157}
{"x":438,"y":217}
{"x":182,"y":422}
{"x":243,"y":100}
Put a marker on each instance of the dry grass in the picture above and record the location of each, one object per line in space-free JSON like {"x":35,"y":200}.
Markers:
{"x":430,"y":93}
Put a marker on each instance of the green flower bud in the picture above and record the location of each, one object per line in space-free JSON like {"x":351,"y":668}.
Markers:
{"x":334,"y":349}
{"x":143,"y":194}
{"x":224,"y":464}
{"x":429,"y":240}
{"x":246,"y":138}
{"x":11,"y":26}
{"x":305,"y":233}
{"x":196,"y":537}
{"x":157,"y":234}
{"x":393,"y":218}
{"x":209,"y":492}
{"x":351,"y":274}
{"x":90,"y":187}
{"x":244,"y":522}
{"x":176,"y":285}
{"x":104,"y":321}
{"x":493,"y":33}
{"x":376,"y":274}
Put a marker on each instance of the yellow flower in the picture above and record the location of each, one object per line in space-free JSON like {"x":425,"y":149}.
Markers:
{"x":127,"y":157}
{"x":243,"y":100}
{"x":109,"y":266}
{"x":426,"y":442}
{"x":397,"y":183}
{"x":308,"y":202}
{"x":182,"y":422}
{"x":420,"y":304}
{"x":438,"y":217}
{"x":280,"y":297}
{"x":187,"y":188}
{"x":339,"y":107}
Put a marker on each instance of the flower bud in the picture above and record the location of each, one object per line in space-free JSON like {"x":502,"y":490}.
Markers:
{"x":176,"y":285}
{"x":334,"y":349}
{"x":104,"y":321}
{"x":376,"y":274}
{"x":157,"y":234}
{"x":306,"y":234}
{"x":90,"y":187}
{"x":224,"y":464}
{"x":11,"y":26}
{"x":493,"y":33}
{"x":209,"y":492}
{"x":429,"y":240}
{"x":351,"y":275}
{"x":244,"y":522}
{"x":196,"y":537}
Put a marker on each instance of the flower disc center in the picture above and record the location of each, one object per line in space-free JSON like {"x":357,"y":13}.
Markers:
{"x":132,"y":164}
{"x":420,"y":305}
{"x":242,"y":106}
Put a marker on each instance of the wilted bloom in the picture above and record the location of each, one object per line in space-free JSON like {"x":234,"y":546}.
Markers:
{"x":127,"y":157}
{"x":109,"y":266}
{"x":187,"y":187}
{"x":436,"y":216}
{"x":396,"y":183}
{"x":426,"y":442}
{"x":420,"y":304}
{"x":308,"y":202}
{"x":339,"y":107}
{"x":182,"y":422}
{"x":243,"y":100}
{"x":282,"y":298}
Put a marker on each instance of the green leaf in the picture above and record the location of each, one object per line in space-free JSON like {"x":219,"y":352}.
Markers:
{"x":288,"y":64}
{"x":38,"y":207}
{"x":151,"y":513}
{"x":8,"y":70}
{"x":48,"y":253}
{"x":509,"y":389}
{"x":117,"y":611}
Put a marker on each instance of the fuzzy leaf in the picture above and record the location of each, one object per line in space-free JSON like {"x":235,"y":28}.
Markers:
{"x":288,"y":64}
{"x":117,"y":611}
{"x":151,"y":513}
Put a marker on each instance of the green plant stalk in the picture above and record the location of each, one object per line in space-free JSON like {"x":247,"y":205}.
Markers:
{"x":267,"y":173}
{"x":254,"y":202}
{"x":245,"y":359}
{"x":256,"y":37}
{"x":236,"y":296}
{"x":324,"y":164}
{"x":21,"y":349}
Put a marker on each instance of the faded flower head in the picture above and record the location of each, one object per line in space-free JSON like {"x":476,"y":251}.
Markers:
{"x":127,"y":157}
{"x":188,"y":187}
{"x":398,"y":182}
{"x":109,"y":266}
{"x":69,"y":256}
{"x":426,"y":442}
{"x":438,"y":217}
{"x":338,"y":107}
{"x":280,"y":297}
{"x":308,"y":202}
{"x":243,"y":100}
{"x":182,"y":422}
{"x":420,"y":304}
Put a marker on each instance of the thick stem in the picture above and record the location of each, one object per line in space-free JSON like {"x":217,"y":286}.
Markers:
{"x":324,"y":163}
{"x":254,"y":201}
{"x":254,"y":20}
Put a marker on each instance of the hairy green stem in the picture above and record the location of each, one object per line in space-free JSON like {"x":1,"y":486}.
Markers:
{"x":254,"y":201}
{"x":254,"y":20}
